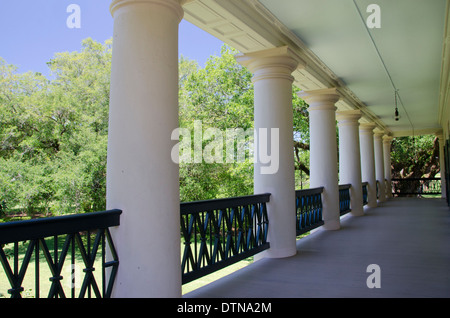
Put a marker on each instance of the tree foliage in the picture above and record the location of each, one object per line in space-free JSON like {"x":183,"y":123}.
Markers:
{"x":53,"y":133}
{"x":220,"y":95}
{"x":415,"y":157}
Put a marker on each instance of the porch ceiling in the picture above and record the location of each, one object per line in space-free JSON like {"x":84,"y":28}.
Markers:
{"x":331,"y":36}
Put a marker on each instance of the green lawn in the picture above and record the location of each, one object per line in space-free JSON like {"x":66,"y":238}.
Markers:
{"x":202,"y":281}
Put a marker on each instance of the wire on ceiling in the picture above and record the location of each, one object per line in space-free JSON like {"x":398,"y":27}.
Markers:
{"x":397,"y":95}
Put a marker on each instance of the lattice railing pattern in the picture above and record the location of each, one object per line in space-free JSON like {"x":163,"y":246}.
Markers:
{"x":344,"y":199}
{"x":217,"y":233}
{"x":365,"y":193}
{"x":65,"y":256}
{"x":308,"y":209}
{"x":416,"y":186}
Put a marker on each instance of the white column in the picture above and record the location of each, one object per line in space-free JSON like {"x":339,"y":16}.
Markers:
{"x":323,"y":151}
{"x":350,"y":157}
{"x":442,"y":163}
{"x":368,"y":161}
{"x":142,"y":180}
{"x":387,"y":164}
{"x":379,"y":165}
{"x":273,"y":113}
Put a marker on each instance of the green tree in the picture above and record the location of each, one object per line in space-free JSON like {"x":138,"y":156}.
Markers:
{"x":53,"y":133}
{"x":301,"y":140}
{"x":415,"y":157}
{"x":221,"y":95}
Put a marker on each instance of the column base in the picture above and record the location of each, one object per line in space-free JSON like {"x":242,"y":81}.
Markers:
{"x":357,"y":212}
{"x":332,"y":225}
{"x":276,"y":253}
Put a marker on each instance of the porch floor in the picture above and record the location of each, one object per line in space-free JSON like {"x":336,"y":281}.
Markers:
{"x":409,"y":238}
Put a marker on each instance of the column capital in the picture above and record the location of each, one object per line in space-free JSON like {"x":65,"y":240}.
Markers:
{"x":378,"y":133}
{"x":367,"y":128}
{"x":320,"y":99}
{"x":387,"y":139}
{"x":348,"y":117}
{"x":278,"y":62}
{"x":175,"y":5}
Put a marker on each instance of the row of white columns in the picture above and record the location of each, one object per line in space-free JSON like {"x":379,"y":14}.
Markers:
{"x":142,"y":180}
{"x":364,"y":156}
{"x":273,"y":109}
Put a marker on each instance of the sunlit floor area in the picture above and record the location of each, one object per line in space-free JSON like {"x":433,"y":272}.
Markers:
{"x":399,"y":249}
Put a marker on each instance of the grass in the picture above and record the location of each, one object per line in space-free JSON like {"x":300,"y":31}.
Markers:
{"x":431,"y":196}
{"x":205,"y":280}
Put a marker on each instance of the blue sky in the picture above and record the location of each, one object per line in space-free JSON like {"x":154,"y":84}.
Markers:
{"x":32,"y":31}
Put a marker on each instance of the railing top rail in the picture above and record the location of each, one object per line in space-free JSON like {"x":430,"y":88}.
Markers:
{"x":302,"y":192}
{"x":217,"y":204}
{"x":17,"y":231}
{"x":345,"y":186}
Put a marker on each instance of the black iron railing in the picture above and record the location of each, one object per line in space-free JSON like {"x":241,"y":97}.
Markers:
{"x":82,"y":238}
{"x":416,"y":186}
{"x":221,"y":232}
{"x":365,"y":193}
{"x":344,"y":198}
{"x":308,"y":209}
